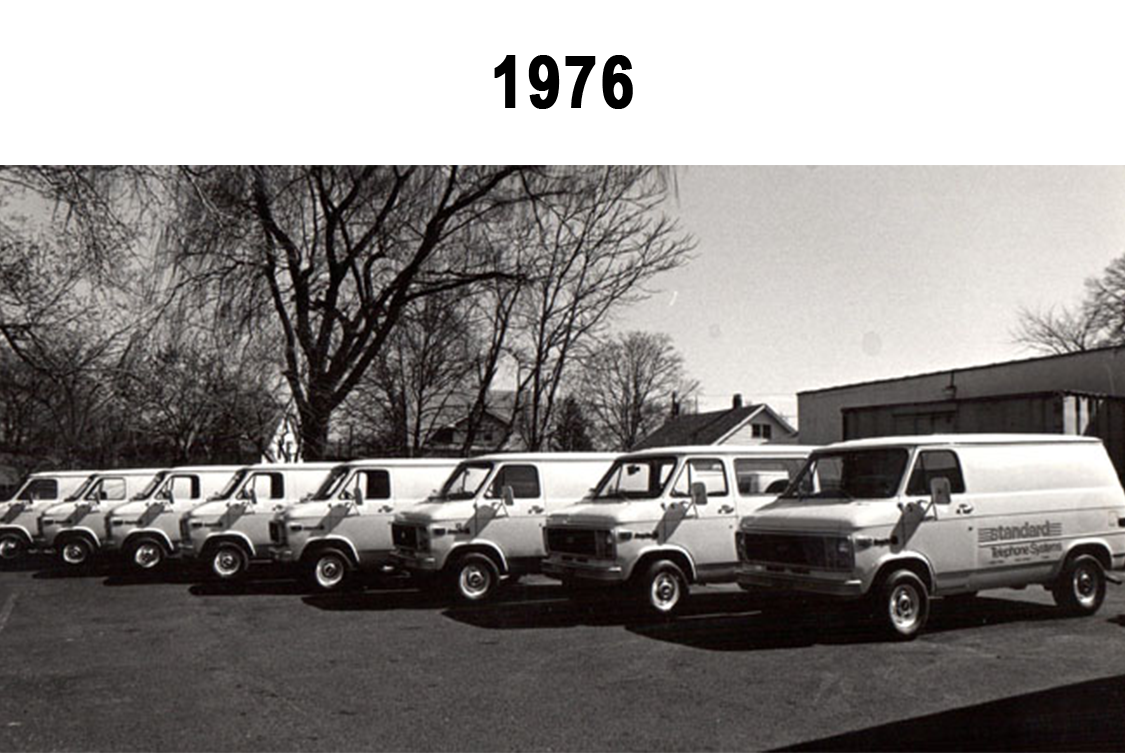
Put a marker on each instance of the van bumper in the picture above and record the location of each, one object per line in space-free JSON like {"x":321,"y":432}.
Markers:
{"x":585,"y":571}
{"x":758,"y":576}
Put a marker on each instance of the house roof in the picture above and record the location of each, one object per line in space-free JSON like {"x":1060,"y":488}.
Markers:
{"x":706,"y":428}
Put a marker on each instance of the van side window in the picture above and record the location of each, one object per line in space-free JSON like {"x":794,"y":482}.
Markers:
{"x":184,"y":487}
{"x":108,"y":488}
{"x":708,"y":471}
{"x":41,"y":488}
{"x":933,"y":464}
{"x":267,"y":485}
{"x":764,"y":475}
{"x":524,"y":480}
{"x":377,"y":485}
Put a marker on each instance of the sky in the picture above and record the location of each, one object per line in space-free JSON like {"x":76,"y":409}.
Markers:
{"x":809,"y":277}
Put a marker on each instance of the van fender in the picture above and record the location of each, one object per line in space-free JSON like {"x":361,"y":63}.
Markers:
{"x":1089,"y":545}
{"x":214,"y":539}
{"x":910,"y":559}
{"x":658,"y":549}
{"x":83,"y":531}
{"x":315,"y":545}
{"x":155,"y":533}
{"x":478,"y":545}
{"x":20,"y":531}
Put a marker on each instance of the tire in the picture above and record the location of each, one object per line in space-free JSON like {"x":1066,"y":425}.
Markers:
{"x":1080,"y":588}
{"x":229,"y":562}
{"x":663,"y":589}
{"x":76,"y":552}
{"x":475,"y":578}
{"x":903,"y":606}
{"x":329,"y":571}
{"x":145,"y":554}
{"x":12,"y":547}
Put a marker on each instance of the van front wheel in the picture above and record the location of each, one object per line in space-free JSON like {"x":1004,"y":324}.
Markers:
{"x":146,"y":554}
{"x":76,"y":552}
{"x":1080,"y":588}
{"x":475,"y":578}
{"x":664,"y":588}
{"x":12,"y":547}
{"x":330,"y":570}
{"x":904,"y":605}
{"x":229,"y":562}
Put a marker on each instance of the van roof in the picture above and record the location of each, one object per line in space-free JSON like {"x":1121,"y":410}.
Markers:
{"x":532,"y":457}
{"x":60,"y":474}
{"x":315,"y":466}
{"x":725,"y":449}
{"x":402,"y":462}
{"x":203,"y":468}
{"x":959,"y":439}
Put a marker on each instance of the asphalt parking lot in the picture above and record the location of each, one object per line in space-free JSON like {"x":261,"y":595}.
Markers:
{"x":105,"y":661}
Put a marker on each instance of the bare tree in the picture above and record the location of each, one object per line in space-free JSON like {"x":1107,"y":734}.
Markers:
{"x":592,"y":249}
{"x":1098,"y":321}
{"x":334,"y":256}
{"x":628,"y":384}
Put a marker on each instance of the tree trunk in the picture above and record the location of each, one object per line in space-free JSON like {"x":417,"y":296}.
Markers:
{"x":314,"y":432}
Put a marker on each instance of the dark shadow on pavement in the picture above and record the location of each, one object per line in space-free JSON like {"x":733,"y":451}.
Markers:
{"x":171,"y":574}
{"x":791,"y":626}
{"x":554,"y":609}
{"x":30,"y":562}
{"x":1082,"y":716}
{"x":271,"y":587}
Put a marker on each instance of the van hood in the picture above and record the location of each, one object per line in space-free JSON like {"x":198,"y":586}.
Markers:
{"x":607,"y":514}
{"x":425,"y":513}
{"x":815,"y":515}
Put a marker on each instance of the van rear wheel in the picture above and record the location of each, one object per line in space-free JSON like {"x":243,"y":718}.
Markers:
{"x":903,"y":606}
{"x":1080,"y":588}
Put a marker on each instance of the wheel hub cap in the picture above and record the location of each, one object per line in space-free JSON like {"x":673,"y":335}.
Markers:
{"x":8,"y":548}
{"x":74,"y":553}
{"x":147,"y":555}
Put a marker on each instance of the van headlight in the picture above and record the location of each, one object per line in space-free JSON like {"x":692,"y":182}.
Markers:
{"x":607,"y":545}
{"x":423,"y":539}
{"x":839,"y":553}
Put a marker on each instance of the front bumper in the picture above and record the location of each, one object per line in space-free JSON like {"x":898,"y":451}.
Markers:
{"x":761,"y":576}
{"x":407,"y":559}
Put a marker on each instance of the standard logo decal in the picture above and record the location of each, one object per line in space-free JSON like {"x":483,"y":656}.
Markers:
{"x":1045,"y":530}
{"x":1026,"y":541}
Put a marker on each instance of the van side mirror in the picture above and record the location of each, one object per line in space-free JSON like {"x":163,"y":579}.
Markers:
{"x":699,"y":493}
{"x":508,"y":495}
{"x":940,"y":491}
{"x":358,"y":495}
{"x":103,"y":495}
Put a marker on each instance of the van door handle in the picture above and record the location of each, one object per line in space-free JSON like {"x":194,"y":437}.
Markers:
{"x":964,"y":508}
{"x":725,"y":509}
{"x":387,"y":508}
{"x":534,"y":510}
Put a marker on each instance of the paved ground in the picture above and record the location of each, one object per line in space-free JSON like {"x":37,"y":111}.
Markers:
{"x":106,"y":662}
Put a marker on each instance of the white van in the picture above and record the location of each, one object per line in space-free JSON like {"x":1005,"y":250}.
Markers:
{"x":19,"y":516}
{"x":147,"y":528}
{"x":901,"y":519}
{"x":346,"y":526}
{"x":486,"y":523}
{"x":75,"y":527}
{"x":665,"y":517}
{"x":232,"y":529}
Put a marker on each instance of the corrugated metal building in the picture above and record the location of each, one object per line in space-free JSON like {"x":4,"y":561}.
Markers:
{"x":1079,"y":393}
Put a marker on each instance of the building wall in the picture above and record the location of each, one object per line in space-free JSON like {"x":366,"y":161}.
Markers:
{"x":1101,"y":371}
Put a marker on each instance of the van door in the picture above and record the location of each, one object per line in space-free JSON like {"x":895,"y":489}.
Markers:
{"x":368,"y":526}
{"x":945,"y":535}
{"x":705,"y":530}
{"x":517,"y":528}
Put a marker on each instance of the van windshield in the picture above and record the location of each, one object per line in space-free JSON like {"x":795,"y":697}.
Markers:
{"x":82,"y":489}
{"x":333,"y":483}
{"x":854,"y":474}
{"x":152,"y":486}
{"x":465,"y":482}
{"x":235,"y":482}
{"x":636,"y":478}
